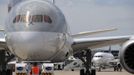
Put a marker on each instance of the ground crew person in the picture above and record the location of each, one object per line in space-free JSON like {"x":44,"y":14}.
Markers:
{"x":35,"y":69}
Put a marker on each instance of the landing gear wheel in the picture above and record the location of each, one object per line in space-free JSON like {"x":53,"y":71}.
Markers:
{"x":72,"y":69}
{"x":0,"y":72}
{"x":115,"y":68}
{"x":93,"y":72}
{"x":9,"y":72}
{"x":82,"y":72}
{"x":4,"y":72}
{"x":88,"y":72}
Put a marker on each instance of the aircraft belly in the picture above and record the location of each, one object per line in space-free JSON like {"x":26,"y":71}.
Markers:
{"x":33,"y":46}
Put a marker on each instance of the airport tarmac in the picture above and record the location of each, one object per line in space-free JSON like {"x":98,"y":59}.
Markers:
{"x":98,"y":73}
{"x":106,"y":72}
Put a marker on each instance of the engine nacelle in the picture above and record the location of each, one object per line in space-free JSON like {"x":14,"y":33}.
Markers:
{"x":127,"y":56}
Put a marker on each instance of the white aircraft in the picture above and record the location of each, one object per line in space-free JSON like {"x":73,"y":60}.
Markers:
{"x":103,"y":60}
{"x":36,"y":31}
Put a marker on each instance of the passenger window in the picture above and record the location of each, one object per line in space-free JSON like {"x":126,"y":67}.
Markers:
{"x":47,"y":19}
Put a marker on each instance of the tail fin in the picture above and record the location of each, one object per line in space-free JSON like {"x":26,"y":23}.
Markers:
{"x":109,"y":49}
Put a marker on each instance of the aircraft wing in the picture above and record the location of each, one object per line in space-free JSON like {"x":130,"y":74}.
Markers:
{"x":93,"y":32}
{"x":97,"y":42}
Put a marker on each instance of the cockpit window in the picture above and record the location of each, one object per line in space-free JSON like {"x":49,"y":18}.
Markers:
{"x":47,"y":19}
{"x":99,"y":56}
{"x":16,"y":19}
{"x":37,"y":18}
{"x":32,"y":18}
{"x":23,"y":18}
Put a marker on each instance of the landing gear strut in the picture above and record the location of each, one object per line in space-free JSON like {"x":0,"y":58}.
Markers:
{"x":86,"y":58}
{"x":5,"y":57}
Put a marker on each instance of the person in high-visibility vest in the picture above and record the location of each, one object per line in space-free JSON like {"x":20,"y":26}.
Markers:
{"x":35,"y":69}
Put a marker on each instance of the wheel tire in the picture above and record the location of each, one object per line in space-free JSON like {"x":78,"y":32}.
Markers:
{"x":88,"y":72}
{"x":0,"y":72}
{"x":72,"y":69}
{"x":114,"y":69}
{"x":3,"y":72}
{"x":9,"y":72}
{"x":93,"y":72}
{"x":82,"y":72}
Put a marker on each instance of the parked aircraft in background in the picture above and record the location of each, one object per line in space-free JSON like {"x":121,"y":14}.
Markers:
{"x":36,"y":31}
{"x":103,"y":60}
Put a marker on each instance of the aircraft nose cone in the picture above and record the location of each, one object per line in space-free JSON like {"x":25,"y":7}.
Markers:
{"x":96,"y":60}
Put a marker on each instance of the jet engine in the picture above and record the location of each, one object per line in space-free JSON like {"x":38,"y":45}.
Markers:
{"x":126,"y":56}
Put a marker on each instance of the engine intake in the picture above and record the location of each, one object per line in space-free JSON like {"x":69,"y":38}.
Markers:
{"x":127,"y":56}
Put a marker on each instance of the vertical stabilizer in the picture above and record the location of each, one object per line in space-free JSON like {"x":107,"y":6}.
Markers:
{"x":109,"y":49}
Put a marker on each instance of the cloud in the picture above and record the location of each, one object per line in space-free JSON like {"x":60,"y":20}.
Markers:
{"x":85,"y":15}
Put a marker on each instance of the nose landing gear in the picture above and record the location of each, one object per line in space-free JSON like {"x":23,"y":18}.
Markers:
{"x":86,"y":58}
{"x":5,"y":57}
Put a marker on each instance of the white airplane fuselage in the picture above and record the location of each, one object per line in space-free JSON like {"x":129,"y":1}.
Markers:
{"x":36,"y":30}
{"x":101,"y":59}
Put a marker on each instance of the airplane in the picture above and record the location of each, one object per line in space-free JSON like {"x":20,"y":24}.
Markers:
{"x":103,"y":60}
{"x":37,"y":31}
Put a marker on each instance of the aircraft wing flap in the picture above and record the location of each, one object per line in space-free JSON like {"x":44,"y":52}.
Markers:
{"x":84,"y":43}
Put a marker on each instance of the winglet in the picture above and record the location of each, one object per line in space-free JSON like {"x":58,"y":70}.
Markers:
{"x":93,"y":32}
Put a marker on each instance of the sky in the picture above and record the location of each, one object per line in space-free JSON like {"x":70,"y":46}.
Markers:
{"x":86,"y":15}
{"x":90,"y":15}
